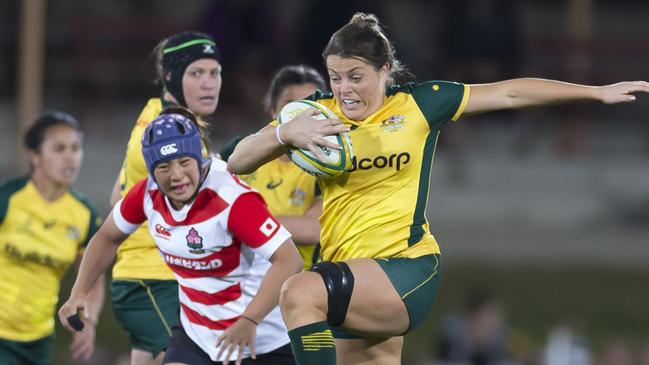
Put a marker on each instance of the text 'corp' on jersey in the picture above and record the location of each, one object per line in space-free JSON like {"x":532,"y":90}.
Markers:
{"x":395,"y":161}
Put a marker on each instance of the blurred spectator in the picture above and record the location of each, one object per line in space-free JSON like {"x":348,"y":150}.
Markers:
{"x":566,"y":346}
{"x":476,"y":337}
{"x":644,"y":355}
{"x":617,"y":352}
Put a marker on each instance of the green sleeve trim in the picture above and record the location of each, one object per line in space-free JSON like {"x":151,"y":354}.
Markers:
{"x":7,"y":189}
{"x":439,"y":101}
{"x":95,"y":220}
{"x":463,"y":103}
{"x":226,"y":151}
{"x":320,"y":95}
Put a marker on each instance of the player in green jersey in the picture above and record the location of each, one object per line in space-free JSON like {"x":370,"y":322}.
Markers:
{"x":382,"y":264}
{"x":44,"y":228}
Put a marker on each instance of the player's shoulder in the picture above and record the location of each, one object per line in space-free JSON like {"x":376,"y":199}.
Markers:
{"x":10,"y":186}
{"x":226,"y":184}
{"x":432,"y":86}
{"x":82,"y":199}
{"x":141,"y":188}
{"x":150,"y":111}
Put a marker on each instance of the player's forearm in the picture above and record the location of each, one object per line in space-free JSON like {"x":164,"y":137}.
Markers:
{"x":115,"y":193}
{"x":305,"y":230}
{"x":531,"y":92}
{"x":254,"y":151}
{"x":99,"y":255}
{"x":526,"y":92}
{"x":96,"y":298}
{"x":286,"y":263}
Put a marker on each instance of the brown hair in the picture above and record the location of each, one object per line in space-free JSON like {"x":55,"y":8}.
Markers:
{"x":289,"y":76}
{"x":364,"y":38}
{"x":158,"y":54}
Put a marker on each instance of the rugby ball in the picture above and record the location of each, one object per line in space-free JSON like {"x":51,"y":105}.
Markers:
{"x":337,"y":161}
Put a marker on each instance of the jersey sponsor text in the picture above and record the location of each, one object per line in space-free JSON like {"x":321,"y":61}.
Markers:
{"x":396,"y":161}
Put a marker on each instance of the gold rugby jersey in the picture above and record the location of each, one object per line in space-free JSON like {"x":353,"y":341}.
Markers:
{"x":138,"y":256}
{"x":40,"y":240}
{"x":378,"y":209}
{"x":288,"y":191}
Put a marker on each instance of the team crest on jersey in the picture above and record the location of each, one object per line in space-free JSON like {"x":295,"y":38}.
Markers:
{"x":195,"y":242}
{"x":72,"y":232}
{"x":162,"y":232}
{"x":298,"y":197}
{"x":394,"y":123}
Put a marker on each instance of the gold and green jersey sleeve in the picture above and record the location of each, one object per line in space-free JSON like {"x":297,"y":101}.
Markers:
{"x":288,"y":191}
{"x":40,"y":240}
{"x":439,"y":101}
{"x":378,"y":209}
{"x":138,"y":256}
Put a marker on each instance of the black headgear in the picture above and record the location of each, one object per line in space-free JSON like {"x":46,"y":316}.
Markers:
{"x":180,"y":50}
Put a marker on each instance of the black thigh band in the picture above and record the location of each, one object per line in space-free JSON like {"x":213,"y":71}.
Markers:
{"x":339,"y":281}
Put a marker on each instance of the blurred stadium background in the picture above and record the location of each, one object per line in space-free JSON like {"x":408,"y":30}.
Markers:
{"x":546,"y":212}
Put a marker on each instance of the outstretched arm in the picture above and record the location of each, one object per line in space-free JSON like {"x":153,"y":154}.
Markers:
{"x":99,"y":255}
{"x":526,"y":92}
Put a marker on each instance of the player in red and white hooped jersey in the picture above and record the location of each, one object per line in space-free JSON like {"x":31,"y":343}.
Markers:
{"x":215,"y":234}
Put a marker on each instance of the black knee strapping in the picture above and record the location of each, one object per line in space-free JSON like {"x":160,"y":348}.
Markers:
{"x":339,"y":281}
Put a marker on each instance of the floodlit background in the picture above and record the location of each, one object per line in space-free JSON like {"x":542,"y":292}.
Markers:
{"x":542,"y":215}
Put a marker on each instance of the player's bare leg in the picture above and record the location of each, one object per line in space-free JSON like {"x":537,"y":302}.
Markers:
{"x":376,"y":351}
{"x":304,"y":308}
{"x":140,"y":357}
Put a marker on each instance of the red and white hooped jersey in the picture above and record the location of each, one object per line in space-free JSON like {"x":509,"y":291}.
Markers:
{"x":218,"y":248}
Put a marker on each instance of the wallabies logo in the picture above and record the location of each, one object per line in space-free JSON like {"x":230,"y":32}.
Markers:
{"x":195,"y":242}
